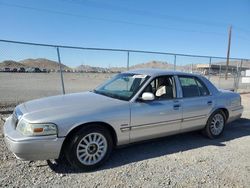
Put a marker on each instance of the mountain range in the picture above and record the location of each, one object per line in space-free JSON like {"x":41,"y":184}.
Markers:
{"x":43,"y":63}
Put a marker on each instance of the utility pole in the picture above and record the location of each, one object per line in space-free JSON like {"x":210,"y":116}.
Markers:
{"x":228,"y":49}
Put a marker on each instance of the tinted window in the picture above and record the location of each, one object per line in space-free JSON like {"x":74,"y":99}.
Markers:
{"x":203,"y":89}
{"x":192,"y":87}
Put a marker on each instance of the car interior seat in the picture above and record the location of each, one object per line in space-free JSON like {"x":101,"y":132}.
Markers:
{"x":164,"y":89}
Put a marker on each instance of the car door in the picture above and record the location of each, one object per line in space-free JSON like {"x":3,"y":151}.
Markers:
{"x":196,"y":103}
{"x":156,"y":118}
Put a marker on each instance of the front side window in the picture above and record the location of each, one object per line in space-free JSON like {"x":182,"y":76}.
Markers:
{"x":162,"y":87}
{"x":122,"y":86}
{"x":192,"y":87}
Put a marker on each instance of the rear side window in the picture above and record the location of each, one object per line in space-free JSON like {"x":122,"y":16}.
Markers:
{"x":192,"y":87}
{"x":203,"y":89}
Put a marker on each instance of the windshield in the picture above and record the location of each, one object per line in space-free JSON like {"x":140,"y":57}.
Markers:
{"x":122,"y":86}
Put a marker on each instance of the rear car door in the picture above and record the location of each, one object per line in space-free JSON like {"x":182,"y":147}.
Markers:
{"x":196,"y":103}
{"x":159,"y":117}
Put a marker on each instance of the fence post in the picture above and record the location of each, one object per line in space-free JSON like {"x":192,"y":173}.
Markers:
{"x":235,"y":79}
{"x":241,"y":62}
{"x":60,"y":65}
{"x":219,"y":75}
{"x":209,"y":68}
{"x":128,"y":60}
{"x":238,"y":75}
{"x":174,"y":62}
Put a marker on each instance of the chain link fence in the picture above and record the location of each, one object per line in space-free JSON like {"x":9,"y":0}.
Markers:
{"x":29,"y":70}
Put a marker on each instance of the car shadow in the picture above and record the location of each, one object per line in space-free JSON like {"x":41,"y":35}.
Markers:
{"x":163,"y":146}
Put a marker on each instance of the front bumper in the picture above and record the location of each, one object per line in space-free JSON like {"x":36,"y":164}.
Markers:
{"x":31,"y":148}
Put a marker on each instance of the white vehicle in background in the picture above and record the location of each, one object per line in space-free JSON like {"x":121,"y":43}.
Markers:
{"x":6,"y":69}
{"x":21,"y":69}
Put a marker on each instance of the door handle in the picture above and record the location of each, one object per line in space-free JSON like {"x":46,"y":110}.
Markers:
{"x":176,"y":106}
{"x":209,"y":102}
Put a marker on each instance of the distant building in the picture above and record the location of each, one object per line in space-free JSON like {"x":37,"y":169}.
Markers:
{"x":218,"y":68}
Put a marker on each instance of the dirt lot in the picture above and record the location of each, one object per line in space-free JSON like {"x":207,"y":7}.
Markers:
{"x":19,"y":87}
{"x":187,"y":160}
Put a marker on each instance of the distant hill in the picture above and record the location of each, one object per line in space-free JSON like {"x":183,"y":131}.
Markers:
{"x":117,"y":69}
{"x":161,"y":65}
{"x":11,"y":64}
{"x":153,"y":64}
{"x":150,"y":64}
{"x":43,"y":63}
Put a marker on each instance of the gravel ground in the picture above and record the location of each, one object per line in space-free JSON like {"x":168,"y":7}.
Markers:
{"x":186,"y":160}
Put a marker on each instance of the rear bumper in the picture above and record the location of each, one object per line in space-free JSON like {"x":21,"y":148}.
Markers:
{"x":31,"y":148}
{"x":235,"y":113}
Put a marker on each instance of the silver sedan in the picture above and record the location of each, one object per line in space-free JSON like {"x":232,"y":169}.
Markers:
{"x":133,"y":106}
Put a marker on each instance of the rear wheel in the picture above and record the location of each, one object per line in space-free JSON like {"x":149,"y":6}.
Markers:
{"x":89,"y":148}
{"x":215,"y":125}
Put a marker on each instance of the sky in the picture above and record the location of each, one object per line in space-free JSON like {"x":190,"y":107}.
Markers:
{"x":176,"y":26}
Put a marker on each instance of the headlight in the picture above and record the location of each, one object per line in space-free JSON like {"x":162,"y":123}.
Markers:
{"x":30,"y":129}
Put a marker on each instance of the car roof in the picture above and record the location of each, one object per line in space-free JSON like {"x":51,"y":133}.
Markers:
{"x":157,"y":72}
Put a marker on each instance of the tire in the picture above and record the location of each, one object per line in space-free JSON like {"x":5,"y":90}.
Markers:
{"x":215,"y":125}
{"x":89,"y":148}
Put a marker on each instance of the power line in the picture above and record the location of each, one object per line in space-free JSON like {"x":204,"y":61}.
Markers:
{"x":108,"y":20}
{"x":107,"y":6}
{"x":115,"y":50}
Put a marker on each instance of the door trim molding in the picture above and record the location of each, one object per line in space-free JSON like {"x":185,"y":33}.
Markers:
{"x":194,"y":118}
{"x":148,"y":125}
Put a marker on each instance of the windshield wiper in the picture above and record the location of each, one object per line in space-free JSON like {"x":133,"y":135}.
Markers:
{"x":98,"y":92}
{"x":112,"y":95}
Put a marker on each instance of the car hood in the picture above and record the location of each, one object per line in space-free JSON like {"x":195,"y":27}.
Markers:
{"x":62,"y":107}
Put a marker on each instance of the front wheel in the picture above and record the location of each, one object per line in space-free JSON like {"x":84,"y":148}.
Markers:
{"x":89,"y":148}
{"x":215,"y":125}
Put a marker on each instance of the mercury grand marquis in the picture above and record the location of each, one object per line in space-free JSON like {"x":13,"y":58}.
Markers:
{"x":132,"y":106}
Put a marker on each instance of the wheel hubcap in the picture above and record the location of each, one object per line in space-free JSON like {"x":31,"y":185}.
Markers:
{"x":91,"y":149}
{"x":217,"y":124}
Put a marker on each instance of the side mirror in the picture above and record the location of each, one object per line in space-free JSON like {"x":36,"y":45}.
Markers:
{"x":147,"y":96}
